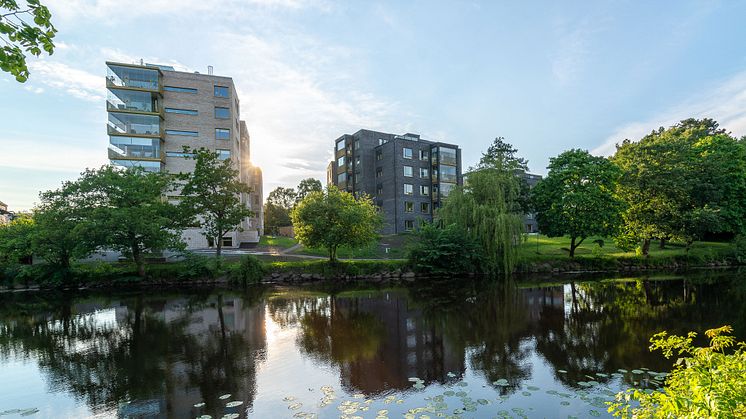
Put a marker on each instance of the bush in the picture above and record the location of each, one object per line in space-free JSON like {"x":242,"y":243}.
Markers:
{"x":198,"y":266}
{"x":448,"y":250}
{"x":708,"y":383}
{"x":739,"y":248}
{"x":248,"y":270}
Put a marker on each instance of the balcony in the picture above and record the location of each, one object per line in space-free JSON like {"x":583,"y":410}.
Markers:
{"x":147,"y":165}
{"x":122,"y":100}
{"x":448,"y":174}
{"x":134,"y":148}
{"x":133,"y":77}
{"x":134,"y":124}
{"x":448,"y":156}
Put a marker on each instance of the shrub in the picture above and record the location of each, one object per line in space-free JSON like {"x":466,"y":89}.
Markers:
{"x":448,"y":250}
{"x":198,"y":266}
{"x":707,"y":383}
{"x":739,"y":248}
{"x":248,"y":270}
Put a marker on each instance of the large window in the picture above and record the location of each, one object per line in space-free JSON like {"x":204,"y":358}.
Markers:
{"x":222,"y":113}
{"x":147,"y":165}
{"x":341,"y":161}
{"x":379,"y":173}
{"x":379,"y":189}
{"x":340,"y":145}
{"x":408,"y":189}
{"x":409,"y":225}
{"x":130,"y":123}
{"x":222,"y":134}
{"x":131,"y":100}
{"x":223,"y":154}
{"x":341,"y":178}
{"x":408,"y":172}
{"x":120,"y":147}
{"x":182,"y":111}
{"x":424,"y":190}
{"x":408,"y":206}
{"x":179,"y":89}
{"x":182,"y":133}
{"x":138,"y":77}
{"x":448,"y":174}
{"x":379,"y":155}
{"x":407,"y":153}
{"x":425,"y":207}
{"x":179,"y":154}
{"x":222,"y":91}
{"x":423,"y":172}
{"x":424,"y":155}
{"x":448,"y":156}
{"x":445,"y":189}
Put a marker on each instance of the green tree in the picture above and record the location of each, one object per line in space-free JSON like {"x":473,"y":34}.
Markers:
{"x":306,"y":186}
{"x":277,"y":209}
{"x":502,"y":157}
{"x":212,"y":196}
{"x":21,"y":37}
{"x":577,"y":198}
{"x":15,"y":240}
{"x":707,"y":382}
{"x":334,"y":218}
{"x":129,"y":213}
{"x":682,"y":183}
{"x":486,"y":207}
{"x":447,"y":250}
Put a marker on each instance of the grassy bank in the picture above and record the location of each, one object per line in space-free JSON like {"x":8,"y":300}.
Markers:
{"x":541,"y":254}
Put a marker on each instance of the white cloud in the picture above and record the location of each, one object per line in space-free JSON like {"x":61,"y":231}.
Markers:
{"x":76,"y":82}
{"x":574,"y":47}
{"x":64,"y":157}
{"x":725,"y":103}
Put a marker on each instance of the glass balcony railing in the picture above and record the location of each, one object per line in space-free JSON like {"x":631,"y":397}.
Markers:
{"x":448,"y":156}
{"x":136,"y":77}
{"x":134,"y":147}
{"x":132,"y":123}
{"x":132,"y":100}
{"x":147,"y":165}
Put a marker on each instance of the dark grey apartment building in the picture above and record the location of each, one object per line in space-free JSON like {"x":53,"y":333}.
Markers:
{"x":529,"y":220}
{"x":406,"y":176}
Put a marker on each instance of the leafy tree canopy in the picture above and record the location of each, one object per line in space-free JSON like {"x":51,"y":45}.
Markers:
{"x":577,"y":198}
{"x":333,"y":218}
{"x":306,"y":186}
{"x":22,"y":36}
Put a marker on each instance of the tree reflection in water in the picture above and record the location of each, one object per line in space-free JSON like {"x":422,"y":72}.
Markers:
{"x":140,"y":354}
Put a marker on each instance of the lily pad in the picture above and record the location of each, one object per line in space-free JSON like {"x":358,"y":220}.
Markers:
{"x":526,"y":393}
{"x":29,"y":412}
{"x":636,"y":371}
{"x":565,"y":403}
{"x":200,"y":404}
{"x":594,"y":413}
{"x":234,"y":403}
{"x":562,"y":371}
{"x":224,"y":396}
{"x":231,"y":416}
{"x":295,"y":406}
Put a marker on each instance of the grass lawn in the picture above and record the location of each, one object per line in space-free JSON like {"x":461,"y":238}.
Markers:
{"x":277,"y":241}
{"x":395,"y":243}
{"x":541,"y":248}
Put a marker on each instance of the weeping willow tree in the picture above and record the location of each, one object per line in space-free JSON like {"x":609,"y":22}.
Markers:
{"x":488,"y":206}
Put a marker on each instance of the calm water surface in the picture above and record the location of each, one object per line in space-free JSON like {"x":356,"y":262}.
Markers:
{"x":459,"y":348}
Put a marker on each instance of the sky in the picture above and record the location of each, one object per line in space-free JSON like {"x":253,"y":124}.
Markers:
{"x":546,"y":75}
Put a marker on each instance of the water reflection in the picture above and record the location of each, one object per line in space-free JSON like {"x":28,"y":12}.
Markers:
{"x":158,"y":354}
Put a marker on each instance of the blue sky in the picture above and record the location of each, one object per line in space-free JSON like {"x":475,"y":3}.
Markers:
{"x":548,"y":76}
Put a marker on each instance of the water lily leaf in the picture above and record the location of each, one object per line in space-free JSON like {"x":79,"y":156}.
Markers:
{"x":449,"y":393}
{"x":562,"y":371}
{"x":231,"y":416}
{"x":526,"y":393}
{"x":200,"y":404}
{"x":483,"y":401}
{"x":533,"y":388}
{"x":602,"y":375}
{"x":622,"y":370}
{"x":234,"y":403}
{"x":224,"y":396}
{"x":29,"y":412}
{"x":636,"y":371}
{"x":565,"y":403}
{"x":594,"y":413}
{"x":295,"y":406}
{"x":450,"y":374}
{"x":383,"y":412}
{"x":204,"y":417}
{"x":461,"y":394}
{"x":414,"y":379}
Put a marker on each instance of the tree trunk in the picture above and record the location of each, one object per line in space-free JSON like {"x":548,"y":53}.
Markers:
{"x":662,"y":244}
{"x":646,"y":247}
{"x":219,"y":246}
{"x":574,"y":245}
{"x":137,"y":258}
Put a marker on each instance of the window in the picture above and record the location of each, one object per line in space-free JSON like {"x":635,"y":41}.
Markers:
{"x":340,"y":145}
{"x":379,"y":155}
{"x":130,"y":123}
{"x":408,"y":189}
{"x":227,"y":241}
{"x":341,"y":178}
{"x":448,"y":156}
{"x":423,"y":172}
{"x":357,"y":144}
{"x":445,"y":189}
{"x":223,"y":154}
{"x":407,"y":171}
{"x":379,"y":173}
{"x":120,"y":147}
{"x":425,"y":207}
{"x":407,"y":153}
{"x":381,"y":141}
{"x":147,"y":165}
{"x":179,"y":154}
{"x":179,"y":89}
{"x":409,"y":207}
{"x":409,"y":225}
{"x":379,"y":189}
{"x":182,"y":111}
{"x":424,"y":190}
{"x":341,"y":161}
{"x":180,"y":132}
{"x":222,"y":113}
{"x":423,"y":155}
{"x":448,"y":174}
{"x":222,"y":91}
{"x":222,"y":134}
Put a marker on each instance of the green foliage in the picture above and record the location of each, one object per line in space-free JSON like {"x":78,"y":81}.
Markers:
{"x":15,"y":240}
{"x":196,"y":266}
{"x":706,"y":383}
{"x":501,"y":156}
{"x":682,"y":183}
{"x":282,"y":200}
{"x":488,"y":208}
{"x":339,"y":268}
{"x":127,"y":211}
{"x":739,"y":249}
{"x":212,"y":196}
{"x":248,"y":270}
{"x":334,"y":218}
{"x":448,"y":250}
{"x":20,"y":37}
{"x":306,"y":186}
{"x":577,"y":198}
